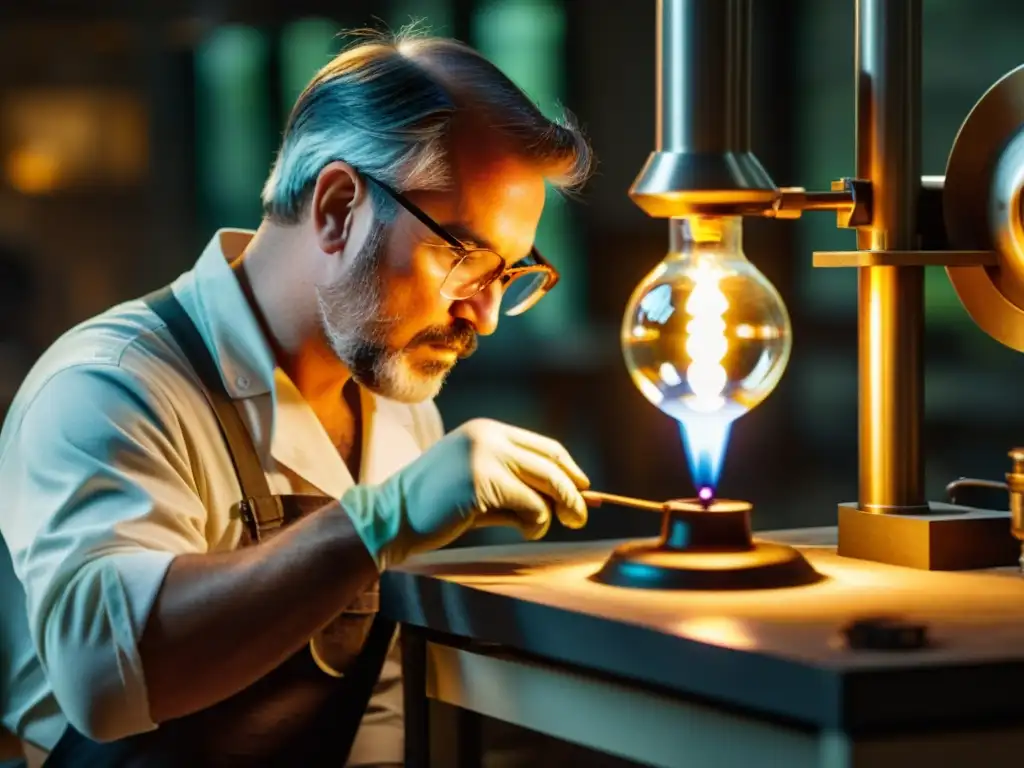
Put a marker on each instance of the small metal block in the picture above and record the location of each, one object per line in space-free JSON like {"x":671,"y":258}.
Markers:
{"x":950,"y":538}
{"x":885,"y":634}
{"x":859,"y":215}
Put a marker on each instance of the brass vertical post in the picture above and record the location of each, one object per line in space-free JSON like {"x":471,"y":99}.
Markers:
{"x":891,"y":299}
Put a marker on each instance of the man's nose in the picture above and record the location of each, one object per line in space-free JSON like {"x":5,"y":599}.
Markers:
{"x":482,"y":310}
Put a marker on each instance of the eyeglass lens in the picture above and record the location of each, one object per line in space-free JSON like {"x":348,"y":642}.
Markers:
{"x":476,"y":269}
{"x":523,"y":291}
{"x":471,"y":273}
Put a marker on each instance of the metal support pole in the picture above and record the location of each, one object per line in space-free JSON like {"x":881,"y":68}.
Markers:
{"x":891,"y":299}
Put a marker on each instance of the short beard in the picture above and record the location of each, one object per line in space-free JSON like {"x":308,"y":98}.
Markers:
{"x":353,"y":322}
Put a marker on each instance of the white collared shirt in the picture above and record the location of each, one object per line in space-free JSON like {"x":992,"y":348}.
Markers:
{"x":112,"y":463}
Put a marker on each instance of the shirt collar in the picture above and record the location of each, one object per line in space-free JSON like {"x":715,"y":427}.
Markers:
{"x":211,"y":295}
{"x":301,"y":443}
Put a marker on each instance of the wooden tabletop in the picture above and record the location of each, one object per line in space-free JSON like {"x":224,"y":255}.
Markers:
{"x":777,"y":652}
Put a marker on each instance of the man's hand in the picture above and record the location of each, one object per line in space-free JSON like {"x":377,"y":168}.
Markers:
{"x":484,"y":473}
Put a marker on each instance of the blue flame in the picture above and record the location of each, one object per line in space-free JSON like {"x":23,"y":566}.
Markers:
{"x":705,"y":438}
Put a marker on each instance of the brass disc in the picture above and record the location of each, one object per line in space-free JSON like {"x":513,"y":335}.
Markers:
{"x":982,"y":208}
{"x":718,"y":505}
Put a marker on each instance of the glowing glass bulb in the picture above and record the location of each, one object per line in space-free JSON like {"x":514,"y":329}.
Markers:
{"x":706,"y":338}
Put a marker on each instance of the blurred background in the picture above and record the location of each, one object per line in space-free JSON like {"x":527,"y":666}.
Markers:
{"x":130,"y":131}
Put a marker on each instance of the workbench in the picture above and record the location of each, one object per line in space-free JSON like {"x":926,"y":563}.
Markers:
{"x":757,"y":678}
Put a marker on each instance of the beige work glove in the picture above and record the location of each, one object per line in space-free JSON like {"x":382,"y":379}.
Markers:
{"x":483,"y":473}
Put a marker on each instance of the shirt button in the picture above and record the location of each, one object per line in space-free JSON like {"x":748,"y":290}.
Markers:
{"x":242,"y":382}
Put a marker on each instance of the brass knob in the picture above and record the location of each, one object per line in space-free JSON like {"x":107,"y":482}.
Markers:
{"x":1017,"y":457}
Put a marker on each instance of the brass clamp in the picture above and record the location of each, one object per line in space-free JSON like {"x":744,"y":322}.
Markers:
{"x":851,"y":199}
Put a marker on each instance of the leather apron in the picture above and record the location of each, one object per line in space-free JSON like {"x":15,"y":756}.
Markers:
{"x":297,"y":715}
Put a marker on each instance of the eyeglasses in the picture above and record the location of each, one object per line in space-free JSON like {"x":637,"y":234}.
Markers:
{"x":473,"y":269}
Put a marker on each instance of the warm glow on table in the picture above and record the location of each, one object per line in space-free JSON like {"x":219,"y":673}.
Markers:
{"x":971,"y":616}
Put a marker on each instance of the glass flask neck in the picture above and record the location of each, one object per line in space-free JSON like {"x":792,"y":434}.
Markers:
{"x":718,"y":236}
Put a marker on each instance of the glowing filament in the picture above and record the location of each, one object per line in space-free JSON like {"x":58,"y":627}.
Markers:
{"x":706,"y":342}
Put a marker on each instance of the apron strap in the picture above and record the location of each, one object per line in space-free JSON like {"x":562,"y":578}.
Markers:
{"x":366,"y":669}
{"x":243,"y":451}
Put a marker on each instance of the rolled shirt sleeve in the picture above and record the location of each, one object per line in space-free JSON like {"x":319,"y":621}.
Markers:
{"x":99,"y":498}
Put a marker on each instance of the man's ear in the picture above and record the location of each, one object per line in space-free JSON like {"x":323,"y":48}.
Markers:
{"x":339,"y":189}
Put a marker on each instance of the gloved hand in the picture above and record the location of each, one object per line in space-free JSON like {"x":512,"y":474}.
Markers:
{"x":483,"y":473}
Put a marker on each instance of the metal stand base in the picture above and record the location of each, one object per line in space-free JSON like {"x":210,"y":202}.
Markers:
{"x":651,"y":566}
{"x":706,"y":548}
{"x":951,"y":538}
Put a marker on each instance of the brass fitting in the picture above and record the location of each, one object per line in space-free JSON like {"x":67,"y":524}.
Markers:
{"x":1015,"y":485}
{"x":851,"y":199}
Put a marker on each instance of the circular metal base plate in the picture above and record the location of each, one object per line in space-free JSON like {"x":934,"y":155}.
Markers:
{"x":989,"y":294}
{"x":649,"y":565}
{"x":706,"y":547}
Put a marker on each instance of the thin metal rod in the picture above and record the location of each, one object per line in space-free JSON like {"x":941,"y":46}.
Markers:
{"x":791,"y":203}
{"x":827,"y":201}
{"x":597,"y":498}
{"x":969,"y":482}
{"x":891,"y":299}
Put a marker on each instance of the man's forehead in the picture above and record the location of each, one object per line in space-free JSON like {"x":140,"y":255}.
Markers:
{"x":494,"y":205}
{"x":498,"y":199}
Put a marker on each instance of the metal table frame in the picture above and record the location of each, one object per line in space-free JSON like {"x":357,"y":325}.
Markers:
{"x":643,"y":725}
{"x":631,"y":717}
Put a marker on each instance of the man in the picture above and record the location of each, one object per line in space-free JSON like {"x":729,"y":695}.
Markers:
{"x":142,"y":614}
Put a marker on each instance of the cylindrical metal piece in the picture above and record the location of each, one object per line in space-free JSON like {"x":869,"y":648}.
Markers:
{"x":891,"y":300}
{"x":703,"y":76}
{"x":702,"y":160}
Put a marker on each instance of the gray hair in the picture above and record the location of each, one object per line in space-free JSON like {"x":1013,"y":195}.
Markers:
{"x":385,"y":106}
